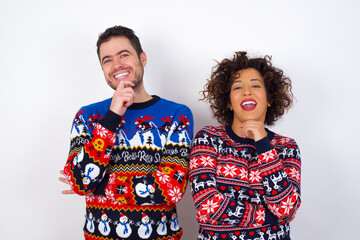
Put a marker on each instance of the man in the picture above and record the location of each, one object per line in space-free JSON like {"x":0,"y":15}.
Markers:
{"x":129,"y":154}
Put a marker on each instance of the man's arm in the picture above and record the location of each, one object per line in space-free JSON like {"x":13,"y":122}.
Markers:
{"x":90,"y":152}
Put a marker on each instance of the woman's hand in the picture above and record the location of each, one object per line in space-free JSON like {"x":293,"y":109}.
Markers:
{"x":253,"y":129}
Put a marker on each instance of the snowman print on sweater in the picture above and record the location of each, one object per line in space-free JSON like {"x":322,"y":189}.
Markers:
{"x":162,"y":229}
{"x":144,"y":190}
{"x":90,"y":223}
{"x":91,"y":172}
{"x":104,"y":226}
{"x":145,"y":228}
{"x":174,"y":225}
{"x":123,"y":229}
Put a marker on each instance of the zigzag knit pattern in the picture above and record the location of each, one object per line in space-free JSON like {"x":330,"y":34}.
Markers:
{"x":244,"y":189}
{"x":132,"y":169}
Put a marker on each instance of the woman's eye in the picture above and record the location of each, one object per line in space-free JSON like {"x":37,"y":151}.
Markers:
{"x":237,"y":88}
{"x":256,"y":86}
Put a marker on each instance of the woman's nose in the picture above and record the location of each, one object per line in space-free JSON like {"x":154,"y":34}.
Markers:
{"x":246,"y":91}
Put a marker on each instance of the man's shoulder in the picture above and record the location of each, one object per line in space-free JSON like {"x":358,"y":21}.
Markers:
{"x":96,"y":108}
{"x":172,"y":104}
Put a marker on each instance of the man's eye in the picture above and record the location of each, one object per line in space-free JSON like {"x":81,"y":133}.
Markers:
{"x":124,"y":55}
{"x":106,"y":61}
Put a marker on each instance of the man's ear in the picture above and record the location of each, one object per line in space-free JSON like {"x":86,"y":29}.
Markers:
{"x":143,"y":59}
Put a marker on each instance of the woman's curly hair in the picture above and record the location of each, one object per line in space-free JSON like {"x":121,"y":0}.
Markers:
{"x":217,"y":89}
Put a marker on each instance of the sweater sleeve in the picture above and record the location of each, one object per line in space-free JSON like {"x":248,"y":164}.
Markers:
{"x":90,"y":152}
{"x":280,"y":176}
{"x":165,"y":185}
{"x":212,"y":205}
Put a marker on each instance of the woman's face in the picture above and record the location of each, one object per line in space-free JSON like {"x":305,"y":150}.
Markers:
{"x":248,"y":97}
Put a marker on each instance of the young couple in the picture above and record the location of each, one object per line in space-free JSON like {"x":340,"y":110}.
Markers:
{"x":130,"y":154}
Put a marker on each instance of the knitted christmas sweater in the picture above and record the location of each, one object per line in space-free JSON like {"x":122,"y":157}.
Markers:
{"x":132,"y":169}
{"x":244,"y":189}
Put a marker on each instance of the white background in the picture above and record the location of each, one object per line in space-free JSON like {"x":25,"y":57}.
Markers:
{"x":49,"y":69}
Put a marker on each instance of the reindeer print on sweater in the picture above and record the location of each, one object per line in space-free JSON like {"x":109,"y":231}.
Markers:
{"x":244,"y":189}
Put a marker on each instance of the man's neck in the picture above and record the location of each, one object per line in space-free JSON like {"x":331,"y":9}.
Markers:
{"x":142,"y":96}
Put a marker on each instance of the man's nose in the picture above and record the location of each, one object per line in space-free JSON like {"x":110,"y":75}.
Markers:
{"x":118,"y":63}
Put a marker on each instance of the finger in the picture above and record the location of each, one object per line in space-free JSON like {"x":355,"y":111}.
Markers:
{"x":67,"y":192}
{"x":64,"y":180}
{"x":125,"y":84}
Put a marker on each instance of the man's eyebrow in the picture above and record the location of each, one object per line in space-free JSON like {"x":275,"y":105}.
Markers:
{"x":118,"y":53}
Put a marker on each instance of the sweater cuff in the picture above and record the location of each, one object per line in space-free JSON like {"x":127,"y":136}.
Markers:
{"x":110,"y":121}
{"x":100,"y":190}
{"x":270,"y":218}
{"x":263,"y":145}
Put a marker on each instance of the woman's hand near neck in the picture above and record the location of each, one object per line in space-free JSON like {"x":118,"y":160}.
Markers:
{"x":250,"y":129}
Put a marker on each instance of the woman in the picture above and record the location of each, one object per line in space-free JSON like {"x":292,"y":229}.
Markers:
{"x":245,"y":179}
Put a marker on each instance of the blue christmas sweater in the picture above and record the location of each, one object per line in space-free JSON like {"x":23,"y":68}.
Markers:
{"x":132,"y":169}
{"x":244,"y":189}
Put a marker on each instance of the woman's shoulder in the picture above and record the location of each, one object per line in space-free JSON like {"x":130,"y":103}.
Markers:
{"x":281,"y":140}
{"x":213,"y":130}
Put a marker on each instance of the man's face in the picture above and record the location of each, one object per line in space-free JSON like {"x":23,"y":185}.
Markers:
{"x":119,"y":61}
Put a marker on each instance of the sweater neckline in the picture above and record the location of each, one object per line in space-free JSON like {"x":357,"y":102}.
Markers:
{"x":142,"y":105}
{"x":238,"y":139}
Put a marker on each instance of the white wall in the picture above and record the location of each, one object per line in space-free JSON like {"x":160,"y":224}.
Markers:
{"x":49,"y":68}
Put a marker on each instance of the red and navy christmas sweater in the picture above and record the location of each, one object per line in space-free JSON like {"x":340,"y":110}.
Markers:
{"x":244,"y":189}
{"x":132,"y":169}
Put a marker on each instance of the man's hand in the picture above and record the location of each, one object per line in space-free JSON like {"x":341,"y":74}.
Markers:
{"x":64,"y":180}
{"x":123,"y":97}
{"x":253,"y":129}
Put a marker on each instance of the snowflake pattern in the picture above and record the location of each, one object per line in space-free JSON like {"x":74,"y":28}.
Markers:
{"x":260,"y":216}
{"x":294,"y":173}
{"x":102,"y":199}
{"x":243,"y":173}
{"x":193,"y":163}
{"x":218,"y":170}
{"x":90,"y":198}
{"x":210,"y":206}
{"x":275,"y":210}
{"x":109,"y":194}
{"x":176,"y":194}
{"x":255,"y":176}
{"x":229,"y":170}
{"x":201,"y":217}
{"x":162,"y":177}
{"x":287,"y":205}
{"x":101,"y":131}
{"x":268,"y":156}
{"x":207,"y":161}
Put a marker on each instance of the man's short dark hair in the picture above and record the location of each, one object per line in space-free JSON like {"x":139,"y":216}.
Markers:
{"x":119,"y":31}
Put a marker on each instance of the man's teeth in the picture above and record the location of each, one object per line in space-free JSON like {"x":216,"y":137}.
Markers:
{"x":248,"y":103}
{"x":121,"y":75}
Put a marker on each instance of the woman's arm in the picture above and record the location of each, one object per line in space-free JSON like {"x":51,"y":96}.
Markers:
{"x":212,"y":205}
